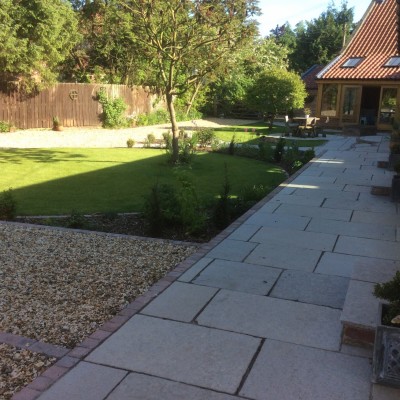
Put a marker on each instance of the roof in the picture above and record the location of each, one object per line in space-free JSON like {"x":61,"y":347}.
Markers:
{"x":375,"y":41}
{"x":309,"y":76}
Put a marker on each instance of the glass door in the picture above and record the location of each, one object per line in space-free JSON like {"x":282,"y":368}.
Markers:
{"x":388,"y":106}
{"x":351,"y":104}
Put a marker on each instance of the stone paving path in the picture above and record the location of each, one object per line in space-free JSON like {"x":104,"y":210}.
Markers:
{"x":259,"y":316}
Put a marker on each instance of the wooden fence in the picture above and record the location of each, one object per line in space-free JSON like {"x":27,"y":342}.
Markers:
{"x":75,"y":104}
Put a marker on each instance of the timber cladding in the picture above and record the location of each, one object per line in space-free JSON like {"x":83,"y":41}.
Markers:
{"x":75,"y":104}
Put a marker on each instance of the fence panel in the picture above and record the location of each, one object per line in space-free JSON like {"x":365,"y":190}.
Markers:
{"x":75,"y":104}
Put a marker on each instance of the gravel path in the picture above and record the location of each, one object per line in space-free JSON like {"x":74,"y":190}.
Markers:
{"x":98,"y":137}
{"x":18,"y":368}
{"x":59,"y":286}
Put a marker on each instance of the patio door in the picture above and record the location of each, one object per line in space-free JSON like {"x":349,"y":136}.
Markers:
{"x":351,"y":104}
{"x":387,"y":109}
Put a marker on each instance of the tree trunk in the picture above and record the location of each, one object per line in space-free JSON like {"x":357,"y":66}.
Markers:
{"x":192,"y":98}
{"x":174,"y":127}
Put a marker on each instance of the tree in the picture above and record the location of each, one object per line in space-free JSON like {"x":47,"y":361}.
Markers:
{"x":186,"y":40}
{"x":318,"y":41}
{"x":277,"y":91}
{"x":36,"y":36}
{"x":232,"y":83}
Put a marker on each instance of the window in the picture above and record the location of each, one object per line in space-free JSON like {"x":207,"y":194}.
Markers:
{"x":352,"y":62}
{"x":393,"y":62}
{"x":388,"y":105}
{"x":350,"y":104}
{"x":329,"y":100}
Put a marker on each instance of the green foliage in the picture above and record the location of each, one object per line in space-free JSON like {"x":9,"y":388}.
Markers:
{"x":130,"y":143}
{"x":76,"y":220}
{"x":390,"y":291}
{"x":204,"y":137}
{"x":223,"y":207}
{"x":8,"y":205}
{"x":168,"y":206}
{"x":279,"y":150}
{"x":277,"y":91}
{"x":36,"y":36}
{"x":265,"y":151}
{"x":113,"y":111}
{"x":294,"y":159}
{"x":4,"y":126}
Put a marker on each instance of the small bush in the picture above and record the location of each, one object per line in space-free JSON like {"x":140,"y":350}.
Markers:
{"x":76,"y":220}
{"x":205,"y":137}
{"x":167,"y":138}
{"x":8,"y":205}
{"x":149,"y":140}
{"x":223,"y":208}
{"x":390,"y":291}
{"x":113,"y":111}
{"x":279,"y":150}
{"x":4,"y":126}
{"x":232,"y":146}
{"x":265,"y":152}
{"x":130,"y":143}
{"x":254,"y":193}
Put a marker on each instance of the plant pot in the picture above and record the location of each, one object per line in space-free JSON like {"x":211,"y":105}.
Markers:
{"x":386,"y":361}
{"x":58,"y":128}
{"x":394,"y":158}
{"x":396,"y":188}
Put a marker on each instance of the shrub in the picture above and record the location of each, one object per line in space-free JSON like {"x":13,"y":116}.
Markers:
{"x":279,"y":150}
{"x":130,"y":143}
{"x":149,"y":140}
{"x":113,"y":111}
{"x":167,"y":137}
{"x":265,"y":151}
{"x":76,"y":220}
{"x":232,"y":146}
{"x":4,"y":126}
{"x":254,"y":193}
{"x":205,"y":137}
{"x":161,"y":208}
{"x":390,"y":291}
{"x":8,"y":205}
{"x":222,"y":210}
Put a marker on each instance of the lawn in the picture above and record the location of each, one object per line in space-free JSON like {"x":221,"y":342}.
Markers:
{"x":250,"y":134}
{"x":57,"y":181}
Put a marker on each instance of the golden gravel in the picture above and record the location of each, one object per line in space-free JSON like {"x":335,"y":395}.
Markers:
{"x":18,"y":368}
{"x":59,"y":286}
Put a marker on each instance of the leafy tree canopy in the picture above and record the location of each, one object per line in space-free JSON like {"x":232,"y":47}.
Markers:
{"x":36,"y":36}
{"x":187,"y":40}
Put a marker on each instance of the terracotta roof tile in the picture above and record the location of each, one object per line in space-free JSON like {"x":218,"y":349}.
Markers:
{"x":375,"y":40}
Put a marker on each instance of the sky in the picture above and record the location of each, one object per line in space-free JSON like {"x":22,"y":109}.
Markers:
{"x":278,"y":12}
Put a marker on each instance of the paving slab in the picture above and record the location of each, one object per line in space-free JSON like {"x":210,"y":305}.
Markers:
{"x":291,"y":372}
{"x":361,"y":306}
{"x":299,"y":200}
{"x":327,"y":194}
{"x":357,"y":188}
{"x":272,"y":318}
{"x":357,"y":351}
{"x":144,"y":387}
{"x":368,"y":247}
{"x":380,"y":392}
{"x":377,"y":218}
{"x":233,"y":250}
{"x":306,"y":287}
{"x":238,"y":276}
{"x":85,"y":382}
{"x":186,"y":353}
{"x":195,"y":269}
{"x":357,"y":229}
{"x":290,"y":257}
{"x":277,"y":220}
{"x":314,"y":212}
{"x":289,"y":237}
{"x":180,"y":302}
{"x":377,"y":206}
{"x":246,"y":231}
{"x":313,"y":180}
{"x":360,"y":268}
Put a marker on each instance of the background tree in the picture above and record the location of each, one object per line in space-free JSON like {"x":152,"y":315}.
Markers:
{"x":187,"y":40}
{"x":277,"y":91}
{"x":35,"y":37}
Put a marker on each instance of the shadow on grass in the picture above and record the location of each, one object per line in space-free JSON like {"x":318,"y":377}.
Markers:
{"x":63,"y":186}
{"x":19,"y":156}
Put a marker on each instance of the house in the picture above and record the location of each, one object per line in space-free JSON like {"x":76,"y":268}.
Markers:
{"x":360,"y":88}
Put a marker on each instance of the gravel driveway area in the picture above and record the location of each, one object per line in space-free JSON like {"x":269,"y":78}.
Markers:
{"x":59,"y":286}
{"x":97,"y":137}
